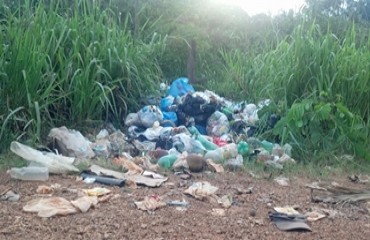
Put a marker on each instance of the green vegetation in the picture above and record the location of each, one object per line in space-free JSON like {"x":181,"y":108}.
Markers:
{"x":75,"y":62}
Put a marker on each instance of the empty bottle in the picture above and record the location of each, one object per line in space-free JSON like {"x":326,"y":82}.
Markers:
{"x":167,"y":161}
{"x":30,"y":173}
{"x":243,"y":148}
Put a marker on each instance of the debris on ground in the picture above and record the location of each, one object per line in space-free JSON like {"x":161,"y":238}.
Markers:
{"x":42,"y":189}
{"x":335,"y":193}
{"x":315,"y":215}
{"x":9,"y":195}
{"x":48,"y":207}
{"x":202,"y":190}
{"x":286,"y":222}
{"x":54,"y":163}
{"x":137,"y":178}
{"x":71,"y":143}
{"x":225,"y":201}
{"x":282,"y":181}
{"x":150,"y":203}
{"x":218,"y":212}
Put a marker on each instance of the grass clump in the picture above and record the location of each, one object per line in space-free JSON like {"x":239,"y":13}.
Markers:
{"x":70,"y":65}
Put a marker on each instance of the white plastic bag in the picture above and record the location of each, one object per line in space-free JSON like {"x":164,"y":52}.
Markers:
{"x":55,"y":163}
{"x":71,"y":143}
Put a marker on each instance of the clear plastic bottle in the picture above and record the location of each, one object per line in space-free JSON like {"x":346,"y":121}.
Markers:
{"x":30,"y":173}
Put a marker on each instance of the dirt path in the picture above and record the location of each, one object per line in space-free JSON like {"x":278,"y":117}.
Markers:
{"x":120,"y":219}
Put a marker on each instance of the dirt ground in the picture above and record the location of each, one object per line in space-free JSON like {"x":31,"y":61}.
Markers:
{"x":120,"y":219}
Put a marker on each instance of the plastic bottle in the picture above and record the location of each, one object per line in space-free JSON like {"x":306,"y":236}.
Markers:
{"x":243,"y":148}
{"x":223,"y":153}
{"x":208,"y":145}
{"x":30,"y":173}
{"x":167,"y":161}
{"x":267,"y":145}
{"x":228,"y":112}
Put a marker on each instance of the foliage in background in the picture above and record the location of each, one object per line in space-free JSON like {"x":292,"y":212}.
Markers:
{"x":68,"y":62}
{"x":63,"y":66}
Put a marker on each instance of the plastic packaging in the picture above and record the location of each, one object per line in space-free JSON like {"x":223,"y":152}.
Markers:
{"x":180,"y":87}
{"x":150,"y":114}
{"x":267,"y":145}
{"x":217,"y":124}
{"x":221,"y":154}
{"x":104,"y":180}
{"x":167,"y":161}
{"x":71,"y":143}
{"x":243,"y":148}
{"x":30,"y":173}
{"x":206,"y":144}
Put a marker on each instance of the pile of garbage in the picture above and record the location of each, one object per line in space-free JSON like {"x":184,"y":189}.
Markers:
{"x":190,"y":127}
{"x":189,"y":131}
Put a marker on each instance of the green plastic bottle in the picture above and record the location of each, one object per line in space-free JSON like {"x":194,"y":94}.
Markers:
{"x":167,"y":161}
{"x":203,"y":140}
{"x":267,"y":145}
{"x":206,"y":144}
{"x":243,"y":148}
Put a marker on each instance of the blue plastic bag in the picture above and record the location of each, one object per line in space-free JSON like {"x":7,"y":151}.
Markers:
{"x":149,"y":114}
{"x":166,"y":103}
{"x":170,"y":116}
{"x":180,"y":87}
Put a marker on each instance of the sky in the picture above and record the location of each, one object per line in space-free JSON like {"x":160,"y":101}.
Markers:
{"x":273,"y":7}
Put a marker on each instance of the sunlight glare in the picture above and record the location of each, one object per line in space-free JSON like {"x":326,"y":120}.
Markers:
{"x":273,"y":7}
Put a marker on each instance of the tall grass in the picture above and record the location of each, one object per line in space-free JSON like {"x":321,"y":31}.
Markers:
{"x":320,"y":82}
{"x":68,"y":65}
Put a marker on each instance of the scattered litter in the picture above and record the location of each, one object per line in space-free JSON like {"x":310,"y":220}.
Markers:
{"x":286,"y":210}
{"x":29,"y":173}
{"x":286,"y":222}
{"x":111,"y":181}
{"x":240,"y":191}
{"x":128,"y":165}
{"x":85,"y":203}
{"x":137,"y":178}
{"x":153,"y":175}
{"x":44,"y":190}
{"x":96,"y":191}
{"x":225,"y":201}
{"x":218,"y":212}
{"x":182,"y":203}
{"x":71,"y":143}
{"x":9,"y":195}
{"x":48,"y":207}
{"x":338,"y":194}
{"x":89,"y":180}
{"x":55,"y":163}
{"x":150,"y":203}
{"x":315,"y":215}
{"x":218,"y":168}
{"x":282,"y":181}
{"x":201,"y":190}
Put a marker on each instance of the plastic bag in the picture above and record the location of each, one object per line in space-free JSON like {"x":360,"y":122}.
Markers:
{"x":217,"y":124}
{"x":71,"y":143}
{"x":166,"y":103}
{"x":149,"y":114}
{"x":169,"y":119}
{"x":180,"y":87}
{"x":183,"y":142}
{"x":55,"y":163}
{"x":132,"y":119}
